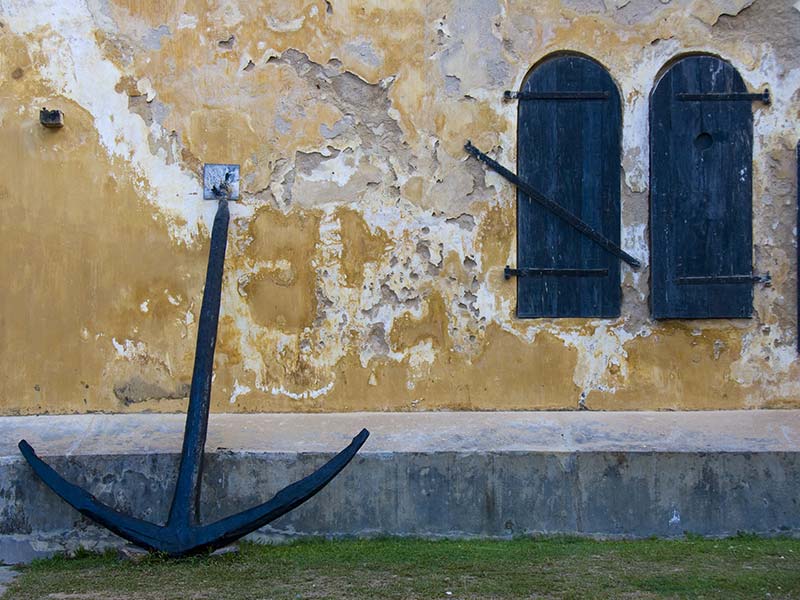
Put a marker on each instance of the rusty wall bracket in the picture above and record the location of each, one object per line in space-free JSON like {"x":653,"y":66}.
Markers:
{"x":52,"y":119}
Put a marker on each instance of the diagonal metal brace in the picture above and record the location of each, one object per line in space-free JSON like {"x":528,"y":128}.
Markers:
{"x":555,"y":208}
{"x":183,"y":534}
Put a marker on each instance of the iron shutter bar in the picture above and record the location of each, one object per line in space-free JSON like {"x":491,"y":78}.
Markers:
{"x":509,"y":95}
{"x":553,"y":207}
{"x":703,"y":279}
{"x":730,"y":97}
{"x":508,"y":272}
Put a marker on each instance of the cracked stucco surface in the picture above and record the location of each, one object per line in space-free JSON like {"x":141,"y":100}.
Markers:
{"x":365,"y":260}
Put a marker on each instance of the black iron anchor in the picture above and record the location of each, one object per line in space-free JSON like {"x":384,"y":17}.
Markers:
{"x":183,"y":534}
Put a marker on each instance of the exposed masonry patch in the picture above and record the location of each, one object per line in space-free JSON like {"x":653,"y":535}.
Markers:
{"x":282,"y":125}
{"x":471,"y":50}
{"x":341,"y":126}
{"x":365,"y":52}
{"x":464,"y":221}
{"x":138,"y":390}
{"x":152,"y":39}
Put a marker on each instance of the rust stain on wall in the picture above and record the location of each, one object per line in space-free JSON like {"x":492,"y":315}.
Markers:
{"x":365,"y":259}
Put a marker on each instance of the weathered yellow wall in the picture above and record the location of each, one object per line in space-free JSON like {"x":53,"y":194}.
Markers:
{"x":365,"y":261}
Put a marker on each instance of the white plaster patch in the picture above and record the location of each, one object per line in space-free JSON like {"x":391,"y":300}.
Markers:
{"x":304,"y":395}
{"x":595,"y":355}
{"x":145,"y":87}
{"x":636,"y":85}
{"x":635,"y":242}
{"x":336,"y":170}
{"x":187,"y":21}
{"x":284,"y":26}
{"x":421,"y":355}
{"x":228,"y":13}
{"x":129,"y":349}
{"x":172,"y":299}
{"x":238,"y":390}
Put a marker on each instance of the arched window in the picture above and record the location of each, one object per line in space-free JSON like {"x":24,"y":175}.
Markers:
{"x":568,"y":148}
{"x":701,"y":147}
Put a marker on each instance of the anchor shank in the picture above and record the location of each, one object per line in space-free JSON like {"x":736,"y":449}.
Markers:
{"x":186,"y":501}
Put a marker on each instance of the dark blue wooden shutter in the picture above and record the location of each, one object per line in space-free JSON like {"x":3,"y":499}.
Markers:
{"x":701,"y":147}
{"x":568,"y":148}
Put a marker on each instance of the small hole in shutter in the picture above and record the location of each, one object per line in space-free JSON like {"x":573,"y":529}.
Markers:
{"x":703,"y":141}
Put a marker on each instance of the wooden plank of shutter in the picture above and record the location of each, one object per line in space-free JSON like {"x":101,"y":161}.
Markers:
{"x":701,"y":192}
{"x":568,"y":148}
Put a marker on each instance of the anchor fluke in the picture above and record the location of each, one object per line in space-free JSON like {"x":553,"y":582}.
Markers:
{"x":231,"y":528}
{"x":134,"y":530}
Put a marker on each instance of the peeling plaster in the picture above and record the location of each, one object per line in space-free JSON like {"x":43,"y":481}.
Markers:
{"x":365,"y":259}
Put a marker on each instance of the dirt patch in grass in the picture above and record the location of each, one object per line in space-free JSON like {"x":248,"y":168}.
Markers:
{"x":404,"y":569}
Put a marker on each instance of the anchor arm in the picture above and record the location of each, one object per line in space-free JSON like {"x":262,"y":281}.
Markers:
{"x":230,"y":528}
{"x":132,"y":529}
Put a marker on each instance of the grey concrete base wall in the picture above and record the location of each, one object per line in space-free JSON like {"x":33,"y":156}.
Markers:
{"x":464,"y":489}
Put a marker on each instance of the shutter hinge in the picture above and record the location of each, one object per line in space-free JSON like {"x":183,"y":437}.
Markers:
{"x":763,"y":97}
{"x":508,"y":272}
{"x":510,"y":95}
{"x":766,"y":279}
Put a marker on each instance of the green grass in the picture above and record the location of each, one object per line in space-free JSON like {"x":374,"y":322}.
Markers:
{"x":741,"y":567}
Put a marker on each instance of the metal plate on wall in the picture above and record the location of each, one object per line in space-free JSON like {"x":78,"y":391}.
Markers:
{"x":220,"y":180}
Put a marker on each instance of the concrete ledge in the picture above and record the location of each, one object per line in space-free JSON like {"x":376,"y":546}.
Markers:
{"x":621,"y":474}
